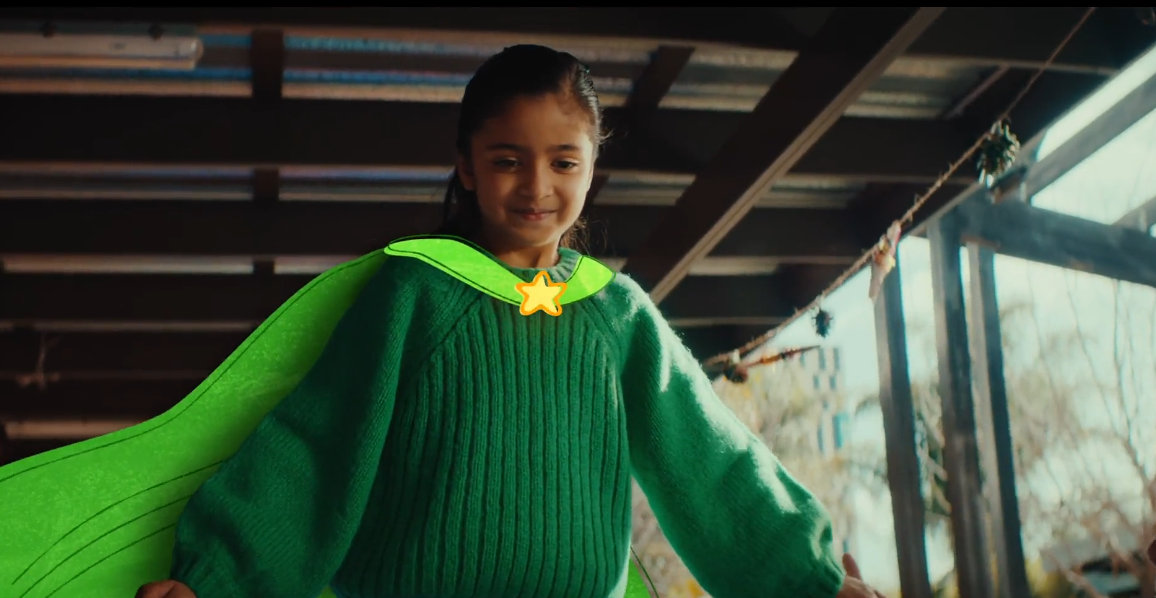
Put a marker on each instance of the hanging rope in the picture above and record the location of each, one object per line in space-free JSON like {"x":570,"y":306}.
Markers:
{"x":909,"y":216}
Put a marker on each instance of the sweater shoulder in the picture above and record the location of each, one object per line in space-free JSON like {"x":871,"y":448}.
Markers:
{"x":623,"y":301}
{"x":410,"y":297}
{"x":420,"y":282}
{"x":628,"y":312}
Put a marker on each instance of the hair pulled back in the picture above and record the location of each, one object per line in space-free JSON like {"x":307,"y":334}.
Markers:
{"x":517,"y":71}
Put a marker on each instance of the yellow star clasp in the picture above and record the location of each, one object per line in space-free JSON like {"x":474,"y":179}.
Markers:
{"x":541,"y":295}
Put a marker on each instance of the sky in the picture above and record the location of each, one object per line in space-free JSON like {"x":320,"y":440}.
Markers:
{"x":1114,"y":180}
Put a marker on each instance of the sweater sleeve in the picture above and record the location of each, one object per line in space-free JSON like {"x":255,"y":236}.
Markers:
{"x":744,"y":527}
{"x":280,"y":514}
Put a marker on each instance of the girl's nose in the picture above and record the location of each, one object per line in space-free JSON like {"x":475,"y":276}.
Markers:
{"x":535,"y":182}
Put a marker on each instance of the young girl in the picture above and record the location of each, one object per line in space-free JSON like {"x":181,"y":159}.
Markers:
{"x":445,"y":444}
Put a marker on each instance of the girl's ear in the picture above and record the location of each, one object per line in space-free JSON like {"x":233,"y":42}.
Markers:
{"x":466,"y":174}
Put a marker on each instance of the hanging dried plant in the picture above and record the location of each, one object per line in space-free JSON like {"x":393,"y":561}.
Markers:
{"x":823,"y":321}
{"x":997,"y":154}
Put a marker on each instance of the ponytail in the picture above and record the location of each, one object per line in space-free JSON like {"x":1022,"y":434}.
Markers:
{"x":461,"y":216}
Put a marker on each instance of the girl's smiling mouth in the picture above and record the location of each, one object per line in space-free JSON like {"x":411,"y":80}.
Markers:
{"x":532,"y":214}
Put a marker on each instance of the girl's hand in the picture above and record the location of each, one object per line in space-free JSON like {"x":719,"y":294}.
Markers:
{"x":853,"y":586}
{"x":165,"y":589}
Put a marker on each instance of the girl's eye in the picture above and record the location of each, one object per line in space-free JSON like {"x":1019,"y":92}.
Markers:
{"x":566,"y":164}
{"x":505,"y":163}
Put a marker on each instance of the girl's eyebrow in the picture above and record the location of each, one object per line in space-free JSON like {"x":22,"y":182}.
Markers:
{"x":513,"y":147}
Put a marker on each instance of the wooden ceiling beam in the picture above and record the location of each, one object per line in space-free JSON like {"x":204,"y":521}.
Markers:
{"x":665,"y":65}
{"x":297,"y":228}
{"x":58,"y":130}
{"x":849,"y":53}
{"x":1010,"y":35}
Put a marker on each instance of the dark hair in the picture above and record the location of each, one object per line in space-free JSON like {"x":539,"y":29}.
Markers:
{"x":517,"y":71}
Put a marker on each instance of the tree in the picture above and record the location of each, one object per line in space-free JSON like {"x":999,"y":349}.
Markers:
{"x":1092,"y":499}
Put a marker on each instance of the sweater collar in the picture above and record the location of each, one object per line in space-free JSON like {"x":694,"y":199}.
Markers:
{"x":560,"y":272}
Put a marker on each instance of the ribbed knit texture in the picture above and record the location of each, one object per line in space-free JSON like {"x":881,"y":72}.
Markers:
{"x":446,"y":446}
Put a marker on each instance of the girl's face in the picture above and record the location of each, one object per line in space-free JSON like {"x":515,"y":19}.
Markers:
{"x":530,"y":167}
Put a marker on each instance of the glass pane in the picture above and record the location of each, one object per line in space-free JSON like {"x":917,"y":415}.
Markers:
{"x":1111,"y":182}
{"x":1120,"y":176}
{"x":1080,"y":364}
{"x":1094,"y":105}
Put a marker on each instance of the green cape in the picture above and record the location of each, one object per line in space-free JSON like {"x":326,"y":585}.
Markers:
{"x":96,"y":519}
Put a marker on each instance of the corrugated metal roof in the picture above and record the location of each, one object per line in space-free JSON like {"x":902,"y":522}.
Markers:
{"x":406,"y":67}
{"x":356,"y":68}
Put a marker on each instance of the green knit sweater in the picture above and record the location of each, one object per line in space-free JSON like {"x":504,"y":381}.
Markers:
{"x":445,"y":445}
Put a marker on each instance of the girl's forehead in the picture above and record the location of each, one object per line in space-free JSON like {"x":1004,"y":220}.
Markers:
{"x":547,"y":118}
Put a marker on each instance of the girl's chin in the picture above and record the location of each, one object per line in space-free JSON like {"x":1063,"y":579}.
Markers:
{"x":533,"y":236}
{"x":520,"y":232}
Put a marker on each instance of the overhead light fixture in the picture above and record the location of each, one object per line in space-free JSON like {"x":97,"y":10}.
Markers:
{"x":101,"y":51}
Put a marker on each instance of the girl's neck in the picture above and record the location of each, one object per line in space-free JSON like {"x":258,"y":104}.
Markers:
{"x":540,"y":256}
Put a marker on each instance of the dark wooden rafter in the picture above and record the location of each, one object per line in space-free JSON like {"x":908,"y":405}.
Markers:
{"x":1023,"y":39}
{"x":267,"y":61}
{"x":961,"y":460}
{"x":962,"y":104}
{"x":1016,"y":36}
{"x":649,"y":88}
{"x":1016,"y":229}
{"x":251,"y":230}
{"x":266,"y":186}
{"x":993,"y":424}
{"x":661,"y":72}
{"x":903,"y":468}
{"x":172,"y":131}
{"x":852,"y":50}
{"x":266,"y":198}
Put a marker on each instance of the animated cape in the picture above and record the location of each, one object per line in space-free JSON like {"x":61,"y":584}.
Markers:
{"x":97,"y":519}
